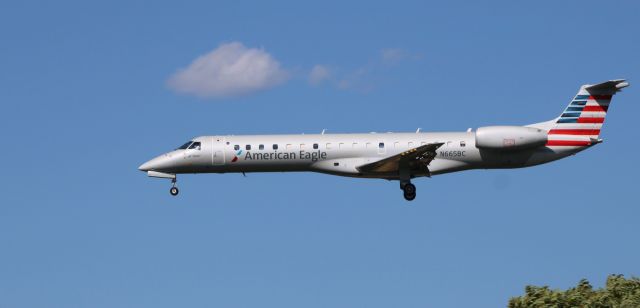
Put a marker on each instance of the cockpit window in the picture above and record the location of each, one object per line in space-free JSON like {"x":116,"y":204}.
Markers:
{"x":184,"y":146}
{"x":195,"y":146}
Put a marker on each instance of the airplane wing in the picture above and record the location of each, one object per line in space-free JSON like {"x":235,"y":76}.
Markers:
{"x":416,"y":159}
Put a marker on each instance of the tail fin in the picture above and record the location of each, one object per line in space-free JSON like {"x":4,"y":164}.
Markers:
{"x":581,"y":121}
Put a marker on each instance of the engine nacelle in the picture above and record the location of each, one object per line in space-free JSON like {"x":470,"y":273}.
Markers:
{"x":510,"y":137}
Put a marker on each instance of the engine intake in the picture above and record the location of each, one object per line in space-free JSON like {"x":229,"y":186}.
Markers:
{"x":510,"y":137}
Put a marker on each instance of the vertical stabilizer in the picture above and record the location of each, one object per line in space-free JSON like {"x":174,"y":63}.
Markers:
{"x":581,"y":122}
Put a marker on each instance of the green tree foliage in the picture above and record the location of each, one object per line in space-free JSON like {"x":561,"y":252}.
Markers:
{"x":618,"y":293}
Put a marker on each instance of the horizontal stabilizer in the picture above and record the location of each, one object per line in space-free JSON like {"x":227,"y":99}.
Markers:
{"x":607,"y":87}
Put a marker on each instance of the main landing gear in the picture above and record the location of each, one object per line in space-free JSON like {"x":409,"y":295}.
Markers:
{"x":409,"y":190}
{"x":174,"y":190}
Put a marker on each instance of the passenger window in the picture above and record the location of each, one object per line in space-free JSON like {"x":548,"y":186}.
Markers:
{"x":381,"y":145}
{"x":315,"y":146}
{"x":288,"y":147}
{"x":341,"y":145}
{"x":328,"y":146}
{"x":410,"y":145}
{"x":463,"y":144}
{"x":261,"y":147}
{"x":236,"y":147}
{"x":275,"y":146}
{"x":195,"y":146}
{"x":355,"y":145}
{"x":248,"y":147}
{"x":302,"y":146}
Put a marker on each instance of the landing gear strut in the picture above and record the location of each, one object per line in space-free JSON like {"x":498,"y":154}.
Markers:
{"x":409,"y":191}
{"x":174,"y":190}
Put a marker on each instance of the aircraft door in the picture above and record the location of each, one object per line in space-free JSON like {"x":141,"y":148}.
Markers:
{"x":217,"y":151}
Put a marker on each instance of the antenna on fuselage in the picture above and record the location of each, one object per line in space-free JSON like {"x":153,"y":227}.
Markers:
{"x":418,"y":130}
{"x":322,"y":132}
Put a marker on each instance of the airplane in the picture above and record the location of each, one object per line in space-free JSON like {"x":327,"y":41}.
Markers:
{"x":398,"y":156}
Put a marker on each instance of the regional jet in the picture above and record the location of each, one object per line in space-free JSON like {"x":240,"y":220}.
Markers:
{"x":398,"y":156}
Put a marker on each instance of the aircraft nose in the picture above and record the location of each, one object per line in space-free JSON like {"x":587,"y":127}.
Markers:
{"x":146,"y":166}
{"x":156,"y":164}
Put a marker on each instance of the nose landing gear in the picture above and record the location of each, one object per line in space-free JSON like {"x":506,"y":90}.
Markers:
{"x":174,"y":190}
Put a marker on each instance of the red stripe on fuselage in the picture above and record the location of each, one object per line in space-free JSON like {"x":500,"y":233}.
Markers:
{"x":590,"y":120}
{"x":596,"y":108}
{"x":568,"y":143}
{"x":574,"y":132}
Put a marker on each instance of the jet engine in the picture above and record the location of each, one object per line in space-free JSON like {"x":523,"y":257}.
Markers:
{"x":510,"y":137}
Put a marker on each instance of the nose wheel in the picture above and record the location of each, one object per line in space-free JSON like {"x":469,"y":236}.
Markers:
{"x":409,"y":191}
{"x":174,"y":190}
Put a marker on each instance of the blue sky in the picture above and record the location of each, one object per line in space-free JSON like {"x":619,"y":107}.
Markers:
{"x":86,"y":98}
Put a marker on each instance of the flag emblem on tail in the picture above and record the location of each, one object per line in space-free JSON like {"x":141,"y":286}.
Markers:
{"x":581,"y":122}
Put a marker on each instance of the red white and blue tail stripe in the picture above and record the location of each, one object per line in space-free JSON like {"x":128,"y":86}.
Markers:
{"x":581,"y":122}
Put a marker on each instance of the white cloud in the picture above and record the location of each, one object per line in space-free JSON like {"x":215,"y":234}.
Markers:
{"x":365,"y":77}
{"x":392,"y":55}
{"x":229,"y":70}
{"x":319,"y":74}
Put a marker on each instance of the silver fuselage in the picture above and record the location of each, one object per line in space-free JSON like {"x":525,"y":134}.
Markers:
{"x":340,"y":154}
{"x":399,"y":156}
